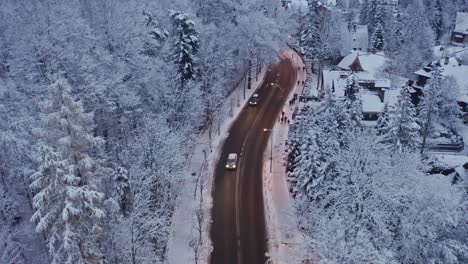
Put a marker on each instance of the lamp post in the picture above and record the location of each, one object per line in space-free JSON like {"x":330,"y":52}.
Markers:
{"x":271,"y":147}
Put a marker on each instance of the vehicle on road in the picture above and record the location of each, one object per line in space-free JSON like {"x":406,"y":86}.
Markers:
{"x":254,"y":100}
{"x":231,"y":161}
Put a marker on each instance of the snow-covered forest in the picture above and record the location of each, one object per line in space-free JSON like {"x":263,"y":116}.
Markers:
{"x":100,"y":102}
{"x":371,"y":193}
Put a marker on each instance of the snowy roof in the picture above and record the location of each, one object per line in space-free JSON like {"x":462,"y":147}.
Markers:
{"x":461,"y":24}
{"x":348,"y":60}
{"x":382,"y":83}
{"x":424,"y":73}
{"x":371,"y":103}
{"x":371,"y":63}
{"x":337,"y":79}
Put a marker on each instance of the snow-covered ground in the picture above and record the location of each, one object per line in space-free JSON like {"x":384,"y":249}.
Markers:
{"x":184,"y":223}
{"x":283,"y":235}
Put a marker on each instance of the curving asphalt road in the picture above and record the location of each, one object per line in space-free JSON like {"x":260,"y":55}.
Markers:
{"x":238,"y":230}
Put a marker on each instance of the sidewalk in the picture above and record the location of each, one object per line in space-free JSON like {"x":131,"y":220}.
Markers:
{"x":284,"y":238}
{"x":185,"y":223}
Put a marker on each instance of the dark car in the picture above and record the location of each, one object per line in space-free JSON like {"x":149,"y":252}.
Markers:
{"x":254,"y":100}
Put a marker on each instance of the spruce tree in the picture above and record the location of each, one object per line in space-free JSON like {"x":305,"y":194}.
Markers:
{"x":67,"y":201}
{"x":383,"y":122}
{"x":122,"y":189}
{"x":310,"y":39}
{"x":394,"y":35}
{"x":186,"y":46}
{"x":364,"y":12}
{"x":377,"y":38}
{"x":436,"y":17}
{"x":404,"y":128}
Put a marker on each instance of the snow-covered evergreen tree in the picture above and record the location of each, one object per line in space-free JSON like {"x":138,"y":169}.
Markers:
{"x":435,"y":14}
{"x":186,"y":46}
{"x":352,"y":87}
{"x":352,"y":103}
{"x":310,"y":38}
{"x":369,"y":13}
{"x":364,"y":12}
{"x":377,"y":37}
{"x":66,"y":185}
{"x":383,"y":122}
{"x":307,"y":170}
{"x":418,"y":39}
{"x":122,"y":189}
{"x":393,"y":35}
{"x":404,"y":128}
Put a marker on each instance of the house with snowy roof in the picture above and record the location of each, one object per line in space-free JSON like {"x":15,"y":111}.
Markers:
{"x":460,"y":30}
{"x":366,"y":67}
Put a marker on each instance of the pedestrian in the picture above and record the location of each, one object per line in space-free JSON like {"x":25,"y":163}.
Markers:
{"x":303,"y":68}
{"x":282,"y":113}
{"x":287,"y":120}
{"x":298,"y":82}
{"x":302,"y":83}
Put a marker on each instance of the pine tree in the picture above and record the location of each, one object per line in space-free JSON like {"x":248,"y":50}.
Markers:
{"x":122,"y":189}
{"x":364,"y":12}
{"x":436,"y":17}
{"x":377,"y":38}
{"x":307,"y":170}
{"x":328,"y":143}
{"x":393,"y":36}
{"x":311,"y":40}
{"x":186,"y":46}
{"x":404,"y":128}
{"x":368,"y":13}
{"x":67,"y":201}
{"x":352,"y":87}
{"x":383,"y":122}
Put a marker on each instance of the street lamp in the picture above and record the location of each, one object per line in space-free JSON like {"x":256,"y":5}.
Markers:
{"x":271,"y":147}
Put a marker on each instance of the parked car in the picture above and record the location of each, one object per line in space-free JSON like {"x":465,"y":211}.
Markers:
{"x":254,"y":100}
{"x":231,"y":162}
